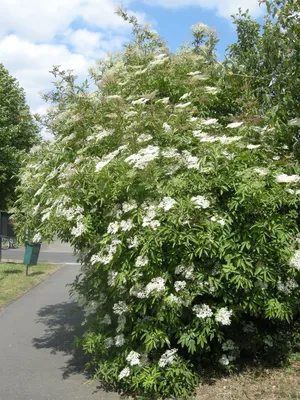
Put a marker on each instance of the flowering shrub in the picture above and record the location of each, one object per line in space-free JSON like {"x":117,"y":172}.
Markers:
{"x":184,"y":220}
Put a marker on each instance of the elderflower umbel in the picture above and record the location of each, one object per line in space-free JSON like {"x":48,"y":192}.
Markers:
{"x":224,"y":360}
{"x":167,"y":203}
{"x":144,"y":138}
{"x":141,"y":159}
{"x":133,"y":242}
{"x":106,"y":319}
{"x":129,"y":206}
{"x":179,"y":285}
{"x":120,"y":308}
{"x":111,"y":278}
{"x":141,"y":261}
{"x":235,"y":125}
{"x":37,"y":238}
{"x":288,"y":286}
{"x":203,"y":311}
{"x":223,"y":316}
{"x":167,"y":127}
{"x":190,"y":161}
{"x":167,"y":358}
{"x":119,"y":340}
{"x":113,"y":227}
{"x":284,"y":178}
{"x":133,"y":358}
{"x":124,"y":373}
{"x":229,"y":345}
{"x":78,"y":230}
{"x":201,"y":202}
{"x":156,"y":285}
{"x":126,"y":225}
{"x":108,"y":342}
{"x":295,"y":260}
{"x":121,"y":323}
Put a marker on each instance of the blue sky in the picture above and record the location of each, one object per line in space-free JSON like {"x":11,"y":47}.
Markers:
{"x":37,"y":34}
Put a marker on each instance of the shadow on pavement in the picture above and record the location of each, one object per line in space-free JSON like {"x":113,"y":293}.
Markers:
{"x":62,"y":323}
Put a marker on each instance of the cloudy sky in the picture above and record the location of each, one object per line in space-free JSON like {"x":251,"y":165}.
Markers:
{"x":37,"y":34}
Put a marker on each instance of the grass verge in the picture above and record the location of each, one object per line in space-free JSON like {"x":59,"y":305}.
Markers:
{"x":13,"y":282}
{"x":256,"y":384}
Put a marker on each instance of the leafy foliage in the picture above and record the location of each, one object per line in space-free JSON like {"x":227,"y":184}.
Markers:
{"x":18,"y":133}
{"x":183,"y":207}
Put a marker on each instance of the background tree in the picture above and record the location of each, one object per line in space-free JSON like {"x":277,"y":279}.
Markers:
{"x":18,"y":133}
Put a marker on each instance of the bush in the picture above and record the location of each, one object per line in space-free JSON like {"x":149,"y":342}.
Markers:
{"x":185,"y":220}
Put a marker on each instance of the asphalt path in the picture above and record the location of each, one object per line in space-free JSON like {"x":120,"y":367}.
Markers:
{"x":55,"y":252}
{"x":37,"y":359}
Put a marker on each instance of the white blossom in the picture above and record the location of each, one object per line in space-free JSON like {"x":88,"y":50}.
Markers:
{"x":167,"y":127}
{"x":218,"y":220}
{"x":156,"y":285}
{"x":121,"y":323}
{"x":229,"y":345}
{"x":141,"y":159}
{"x":224,"y":360}
{"x":235,"y":125}
{"x":211,"y":89}
{"x":133,"y":242}
{"x":179,"y":285}
{"x":167,"y":203}
{"x":107,"y":159}
{"x":144,"y":138}
{"x":124,"y":373}
{"x":174,"y":299}
{"x":45,"y":216}
{"x":141,"y":261}
{"x":119,"y":340}
{"x":288,"y":286}
{"x":111,"y":278}
{"x":142,"y":100}
{"x":109,"y":342}
{"x":129,"y":206}
{"x":167,"y":358}
{"x":185,"y":96}
{"x":223,"y":316}
{"x":261,"y":171}
{"x":120,"y":308}
{"x":164,"y":100}
{"x":208,"y":122}
{"x":113,"y":227}
{"x":203,"y":311}
{"x":183,"y":105}
{"x":284,"y":178}
{"x":170,"y":153}
{"x":106,"y":320}
{"x":133,"y":358}
{"x":201,"y":202}
{"x":126,"y":225}
{"x":253,"y":146}
{"x":78,"y":230}
{"x":190,"y":161}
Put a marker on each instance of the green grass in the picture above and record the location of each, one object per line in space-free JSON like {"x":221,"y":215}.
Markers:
{"x":14,"y":282}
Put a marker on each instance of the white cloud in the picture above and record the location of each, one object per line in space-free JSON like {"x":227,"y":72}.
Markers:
{"x":30,"y":63}
{"x":224,"y":8}
{"x":41,"y":20}
{"x":93,"y":44}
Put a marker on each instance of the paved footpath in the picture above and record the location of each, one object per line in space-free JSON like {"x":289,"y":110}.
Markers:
{"x":37,"y":360}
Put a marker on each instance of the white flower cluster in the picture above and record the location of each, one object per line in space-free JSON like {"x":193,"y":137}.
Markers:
{"x":224,"y":360}
{"x":120,"y":308}
{"x":201,"y":202}
{"x":108,"y":158}
{"x":141,"y":261}
{"x":190,"y":161}
{"x":203,"y":311}
{"x":174,"y":299}
{"x":133,"y":358}
{"x":126,"y":225}
{"x":156,"y":285}
{"x":140,"y":101}
{"x":129,"y":206}
{"x":167,"y":358}
{"x":295,"y":260}
{"x":170,"y":152}
{"x":69,"y":213}
{"x":183,"y":105}
{"x":186,"y":272}
{"x":113,"y":227}
{"x":106,"y":320}
{"x":208,"y":122}
{"x":109,"y":342}
{"x":111,"y":278}
{"x":119,"y":340}
{"x":121,"y":323}
{"x":229,"y":345}
{"x":288,"y":286}
{"x":261,"y":171}
{"x":218,"y":220}
{"x":167,"y":203}
{"x":235,"y":125}
{"x":253,"y":146}
{"x":133,"y":243}
{"x":124,"y":373}
{"x":144,"y":138}
{"x":205,"y":138}
{"x":284,"y":178}
{"x":211,"y":89}
{"x":148,"y":218}
{"x":166,"y":127}
{"x":78,"y":230}
{"x":223,"y":316}
{"x":179,"y":285}
{"x":141,"y":159}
